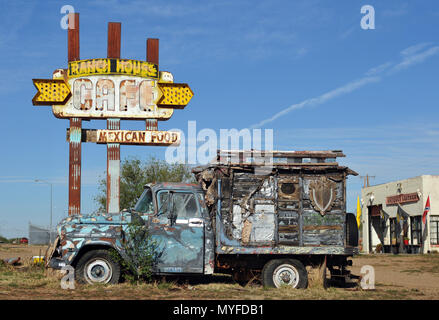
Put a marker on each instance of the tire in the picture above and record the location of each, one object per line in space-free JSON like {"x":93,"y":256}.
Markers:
{"x":97,"y":266}
{"x":280,"y":272}
{"x":351,"y":230}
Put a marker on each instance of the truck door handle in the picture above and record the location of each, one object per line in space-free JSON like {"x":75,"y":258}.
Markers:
{"x":195,"y":221}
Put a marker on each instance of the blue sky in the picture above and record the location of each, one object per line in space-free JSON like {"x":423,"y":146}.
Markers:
{"x":305,"y":69}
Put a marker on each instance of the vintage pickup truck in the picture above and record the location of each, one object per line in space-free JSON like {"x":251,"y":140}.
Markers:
{"x":252,"y":218}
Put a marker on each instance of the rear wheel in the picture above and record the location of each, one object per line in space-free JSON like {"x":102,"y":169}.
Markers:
{"x":285,"y":272}
{"x":97,"y":266}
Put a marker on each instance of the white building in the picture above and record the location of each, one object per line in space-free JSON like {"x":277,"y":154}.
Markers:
{"x":379,"y":217}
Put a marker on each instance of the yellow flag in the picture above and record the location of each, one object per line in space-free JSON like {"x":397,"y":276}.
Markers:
{"x":358,"y":211}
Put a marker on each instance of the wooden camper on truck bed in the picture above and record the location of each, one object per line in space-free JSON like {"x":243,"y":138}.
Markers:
{"x":279,"y":202}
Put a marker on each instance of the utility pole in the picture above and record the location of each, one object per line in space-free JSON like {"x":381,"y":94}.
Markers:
{"x":366,"y":180}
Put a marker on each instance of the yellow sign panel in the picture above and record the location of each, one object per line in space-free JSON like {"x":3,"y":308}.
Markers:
{"x":51,"y":92}
{"x":82,"y":68}
{"x":175,"y":94}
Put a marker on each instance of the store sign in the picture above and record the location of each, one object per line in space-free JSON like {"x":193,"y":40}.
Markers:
{"x":121,"y":97}
{"x":90,"y":67}
{"x":402,"y":198}
{"x":112,"y":88}
{"x":164,"y":138}
{"x":133,"y":137}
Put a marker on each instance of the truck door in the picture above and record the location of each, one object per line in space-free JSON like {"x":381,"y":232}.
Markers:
{"x":181,"y":238}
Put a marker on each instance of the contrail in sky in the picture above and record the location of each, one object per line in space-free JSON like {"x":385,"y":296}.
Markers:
{"x":410,"y":56}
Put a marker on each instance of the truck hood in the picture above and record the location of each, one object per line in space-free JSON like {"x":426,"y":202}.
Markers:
{"x":96,"y":218}
{"x":106,"y":218}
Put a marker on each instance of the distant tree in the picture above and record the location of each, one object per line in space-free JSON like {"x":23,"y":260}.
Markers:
{"x":135,"y":173}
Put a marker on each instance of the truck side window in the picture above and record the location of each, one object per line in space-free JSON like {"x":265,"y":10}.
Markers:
{"x":163,"y":201}
{"x":185,"y":205}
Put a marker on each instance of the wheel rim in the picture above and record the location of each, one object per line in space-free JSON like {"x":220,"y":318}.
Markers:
{"x":286,"y":274}
{"x":98,"y":271}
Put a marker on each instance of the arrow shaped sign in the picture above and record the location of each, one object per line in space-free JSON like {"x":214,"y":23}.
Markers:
{"x":51,"y":92}
{"x":175,"y":95}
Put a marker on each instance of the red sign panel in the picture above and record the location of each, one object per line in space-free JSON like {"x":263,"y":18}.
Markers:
{"x":402,"y":198}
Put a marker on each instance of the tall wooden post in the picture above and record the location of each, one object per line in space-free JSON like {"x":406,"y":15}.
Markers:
{"x":113,"y":149}
{"x":152,"y":55}
{"x":75,"y":126}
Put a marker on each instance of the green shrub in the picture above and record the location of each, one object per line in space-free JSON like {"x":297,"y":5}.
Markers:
{"x":140,"y":249}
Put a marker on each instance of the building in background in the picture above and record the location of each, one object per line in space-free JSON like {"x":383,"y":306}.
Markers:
{"x":392,"y":216}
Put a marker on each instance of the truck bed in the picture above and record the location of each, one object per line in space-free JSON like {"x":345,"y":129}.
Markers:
{"x":290,"y":208}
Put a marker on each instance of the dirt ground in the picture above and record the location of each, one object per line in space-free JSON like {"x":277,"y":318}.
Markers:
{"x":415,"y":273}
{"x":24,"y":251}
{"x":396,"y":277}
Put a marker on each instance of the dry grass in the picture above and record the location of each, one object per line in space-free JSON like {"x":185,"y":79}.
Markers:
{"x":35,"y":282}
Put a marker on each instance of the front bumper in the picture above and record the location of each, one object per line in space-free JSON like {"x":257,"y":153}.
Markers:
{"x":56,"y":263}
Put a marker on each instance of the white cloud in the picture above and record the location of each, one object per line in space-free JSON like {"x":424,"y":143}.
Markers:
{"x":348,"y":32}
{"x":399,"y":11}
{"x":415,"y":48}
{"x":415,"y":59}
{"x":349,"y":87}
{"x":161,"y":9}
{"x":378,"y":69}
{"x":410,"y":58}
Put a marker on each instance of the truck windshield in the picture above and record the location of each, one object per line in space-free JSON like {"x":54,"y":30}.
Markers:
{"x":145,"y":204}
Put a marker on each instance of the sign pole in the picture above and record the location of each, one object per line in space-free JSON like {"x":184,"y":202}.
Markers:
{"x":75,"y":126}
{"x":152,"y":55}
{"x":113,"y":149}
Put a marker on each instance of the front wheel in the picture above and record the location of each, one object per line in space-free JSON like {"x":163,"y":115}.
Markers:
{"x":97,"y":266}
{"x":285,"y":272}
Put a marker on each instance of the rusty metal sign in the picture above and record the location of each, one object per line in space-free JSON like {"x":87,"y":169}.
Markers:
{"x":86,"y":91}
{"x":83,"y":68}
{"x":402,"y":198}
{"x":153,"y":138}
{"x":163,"y":138}
{"x":53,"y":92}
{"x":123,"y":97}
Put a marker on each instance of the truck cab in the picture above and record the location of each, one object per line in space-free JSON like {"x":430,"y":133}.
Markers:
{"x":178,"y":220}
{"x":176,"y":217}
